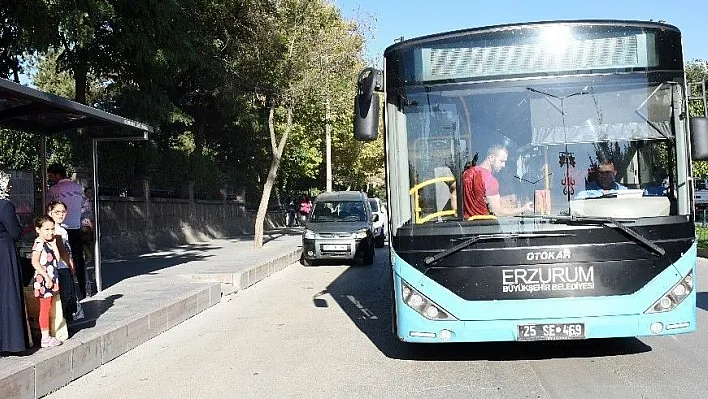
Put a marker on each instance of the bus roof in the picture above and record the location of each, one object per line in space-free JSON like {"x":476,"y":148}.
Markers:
{"x":492,"y":28}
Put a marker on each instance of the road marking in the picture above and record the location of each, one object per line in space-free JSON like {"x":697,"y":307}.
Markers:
{"x":365,"y":311}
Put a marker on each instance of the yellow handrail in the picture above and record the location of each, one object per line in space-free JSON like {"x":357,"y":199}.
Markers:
{"x":414,"y":192}
{"x":418,"y":186}
{"x":482,"y":217}
{"x":449,"y":212}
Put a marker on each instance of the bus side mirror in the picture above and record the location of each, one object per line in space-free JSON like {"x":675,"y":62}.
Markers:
{"x":699,"y":138}
{"x":366,"y":105}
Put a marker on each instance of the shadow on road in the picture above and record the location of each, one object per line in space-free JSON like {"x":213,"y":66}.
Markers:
{"x":363,"y":292}
{"x":116,"y":270}
{"x":93,"y":309}
{"x":702,"y":300}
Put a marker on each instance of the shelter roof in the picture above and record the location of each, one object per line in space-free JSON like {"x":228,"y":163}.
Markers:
{"x":30,"y":110}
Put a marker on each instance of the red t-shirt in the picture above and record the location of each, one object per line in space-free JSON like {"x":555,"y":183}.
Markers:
{"x":478,"y":183}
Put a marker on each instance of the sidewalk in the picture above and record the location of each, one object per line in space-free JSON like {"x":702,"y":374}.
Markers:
{"x":144,"y":296}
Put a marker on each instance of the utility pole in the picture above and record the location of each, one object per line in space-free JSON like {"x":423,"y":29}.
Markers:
{"x":328,"y":139}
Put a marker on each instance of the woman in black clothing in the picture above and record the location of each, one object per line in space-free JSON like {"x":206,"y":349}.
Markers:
{"x":13,"y":325}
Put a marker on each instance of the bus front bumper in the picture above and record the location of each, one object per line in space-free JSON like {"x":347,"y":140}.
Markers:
{"x":412,"y":327}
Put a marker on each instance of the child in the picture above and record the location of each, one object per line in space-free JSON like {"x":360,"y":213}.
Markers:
{"x":57,"y":211}
{"x":46,"y":281}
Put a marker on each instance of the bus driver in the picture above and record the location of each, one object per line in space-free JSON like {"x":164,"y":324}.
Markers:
{"x":481,"y":188}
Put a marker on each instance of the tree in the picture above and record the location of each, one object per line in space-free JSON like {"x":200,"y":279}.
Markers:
{"x":25,"y":27}
{"x":318,"y":45}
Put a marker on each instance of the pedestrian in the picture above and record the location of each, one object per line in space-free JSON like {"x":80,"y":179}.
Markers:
{"x":291,"y":213}
{"x":87,"y":225}
{"x":305,"y":207}
{"x":13,"y":323}
{"x":57,"y":211}
{"x":45,"y":252}
{"x":72,"y":194}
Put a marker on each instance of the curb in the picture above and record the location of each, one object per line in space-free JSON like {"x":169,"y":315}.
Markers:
{"x":234,"y":282}
{"x":48,"y":370}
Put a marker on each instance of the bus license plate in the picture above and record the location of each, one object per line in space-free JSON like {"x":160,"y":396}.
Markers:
{"x":343,"y":247}
{"x":551,"y":332}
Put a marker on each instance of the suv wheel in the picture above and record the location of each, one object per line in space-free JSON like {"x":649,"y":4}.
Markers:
{"x":380,"y":241}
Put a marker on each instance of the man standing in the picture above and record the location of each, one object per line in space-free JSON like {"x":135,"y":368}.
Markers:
{"x":72,"y":195}
{"x":481,"y":188}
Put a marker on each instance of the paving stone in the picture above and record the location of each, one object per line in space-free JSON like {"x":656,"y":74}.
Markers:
{"x":86,"y":355}
{"x":114,"y":343}
{"x":17,"y":378}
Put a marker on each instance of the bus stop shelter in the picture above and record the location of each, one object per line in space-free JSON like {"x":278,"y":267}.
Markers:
{"x":33,"y":111}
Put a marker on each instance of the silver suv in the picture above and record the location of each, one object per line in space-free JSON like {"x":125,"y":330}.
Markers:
{"x":381,"y":225}
{"x":339,"y":227}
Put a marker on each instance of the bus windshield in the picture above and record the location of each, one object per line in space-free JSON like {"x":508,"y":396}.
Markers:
{"x":584,"y":147}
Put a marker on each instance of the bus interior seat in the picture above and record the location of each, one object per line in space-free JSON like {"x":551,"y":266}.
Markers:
{"x":442,"y":189}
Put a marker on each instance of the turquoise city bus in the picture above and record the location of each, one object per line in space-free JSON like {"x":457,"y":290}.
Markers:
{"x":567,"y":258}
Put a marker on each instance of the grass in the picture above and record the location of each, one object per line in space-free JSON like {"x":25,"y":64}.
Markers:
{"x":702,"y":234}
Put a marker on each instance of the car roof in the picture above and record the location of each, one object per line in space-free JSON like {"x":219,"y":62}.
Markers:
{"x":341,"y":196}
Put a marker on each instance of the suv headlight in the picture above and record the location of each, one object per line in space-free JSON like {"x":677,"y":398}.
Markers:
{"x":309,"y":234}
{"x":361,"y":234}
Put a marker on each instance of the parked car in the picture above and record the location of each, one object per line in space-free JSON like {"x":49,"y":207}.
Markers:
{"x":340,"y":227}
{"x":700,"y":187}
{"x":381,"y":225}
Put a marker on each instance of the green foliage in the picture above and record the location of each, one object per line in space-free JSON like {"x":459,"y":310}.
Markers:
{"x":19,"y":150}
{"x":702,"y":235}
{"x":204,"y":72}
{"x":25,"y":26}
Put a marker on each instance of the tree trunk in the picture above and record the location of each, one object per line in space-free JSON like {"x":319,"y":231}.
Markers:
{"x":277,"y":149}
{"x":80,"y":78}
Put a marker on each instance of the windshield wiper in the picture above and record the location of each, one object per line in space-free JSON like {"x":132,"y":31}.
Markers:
{"x":607,"y":222}
{"x":486,"y":237}
{"x":608,"y":195}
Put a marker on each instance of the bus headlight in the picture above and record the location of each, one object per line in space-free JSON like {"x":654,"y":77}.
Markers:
{"x":422,"y":305}
{"x":309,"y":235}
{"x":674,"y":296}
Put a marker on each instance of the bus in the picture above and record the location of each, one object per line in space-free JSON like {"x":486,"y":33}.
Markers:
{"x":561,"y":100}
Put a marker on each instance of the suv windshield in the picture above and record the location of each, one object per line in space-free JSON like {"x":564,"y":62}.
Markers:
{"x":338,"y":211}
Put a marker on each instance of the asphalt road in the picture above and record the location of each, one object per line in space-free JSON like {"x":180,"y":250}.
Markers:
{"x":324,"y":331}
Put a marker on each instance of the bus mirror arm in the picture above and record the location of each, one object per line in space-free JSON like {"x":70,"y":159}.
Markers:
{"x":369,"y":80}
